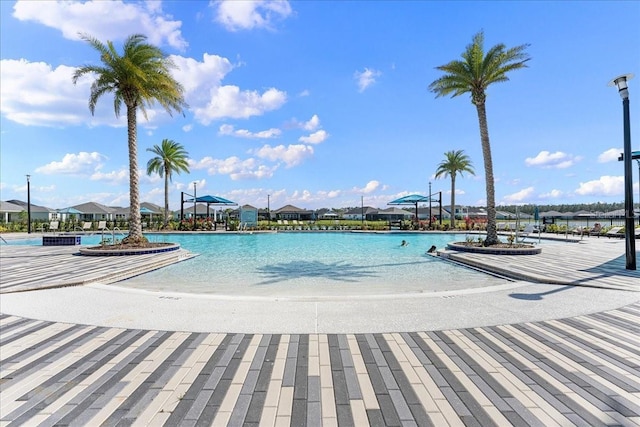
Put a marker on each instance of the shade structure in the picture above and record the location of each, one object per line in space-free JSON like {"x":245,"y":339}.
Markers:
{"x":146,"y":211}
{"x":412,"y":199}
{"x":211,"y":200}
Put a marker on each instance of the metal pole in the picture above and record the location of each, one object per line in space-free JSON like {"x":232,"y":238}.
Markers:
{"x":440,"y":203}
{"x":628,"y":188}
{"x":638,"y":191}
{"x":362,"y":211}
{"x":28,"y":205}
{"x":269,"y":208}
{"x":194,"y":206}
{"x":181,"y":206}
{"x":430,"y":216}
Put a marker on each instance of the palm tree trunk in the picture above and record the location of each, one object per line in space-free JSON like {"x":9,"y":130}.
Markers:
{"x":166,"y":198}
{"x":453,"y":201}
{"x":135,"y":222}
{"x":492,"y":233}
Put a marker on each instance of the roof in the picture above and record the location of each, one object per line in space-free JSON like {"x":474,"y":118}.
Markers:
{"x":10,"y":207}
{"x":290,"y":208}
{"x":93,"y":207}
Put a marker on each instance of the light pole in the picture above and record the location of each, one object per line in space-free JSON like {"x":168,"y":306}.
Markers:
{"x":630,"y":242}
{"x":430,"y":216}
{"x":269,"y":209}
{"x":638,"y":161}
{"x":28,"y":205}
{"x":362,"y":211}
{"x":194,"y":205}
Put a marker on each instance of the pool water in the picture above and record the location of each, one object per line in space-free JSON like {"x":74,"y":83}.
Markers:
{"x":310,"y":265}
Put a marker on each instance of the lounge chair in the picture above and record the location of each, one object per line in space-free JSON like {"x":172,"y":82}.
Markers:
{"x":102,"y":225}
{"x":53,"y":226}
{"x":596,"y":230}
{"x":87,"y":226}
{"x":530,"y":228}
{"x":614,"y":232}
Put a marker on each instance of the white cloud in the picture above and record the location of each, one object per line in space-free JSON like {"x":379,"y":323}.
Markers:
{"x":74,"y":164}
{"x":366,"y":78}
{"x":210,"y":100}
{"x":312,"y":124}
{"x":605,"y":186}
{"x":236,"y":168}
{"x":104,"y":20}
{"x":229,"y":101}
{"x":33,"y":93}
{"x":520,"y":196}
{"x":187,"y":128}
{"x":243,"y":133}
{"x":248,"y":14}
{"x":314,"y":138}
{"x":291,"y":155}
{"x":557,"y":160}
{"x":553,"y":194}
{"x":611,"y":155}
{"x":370,"y":187}
{"x":119,"y":177}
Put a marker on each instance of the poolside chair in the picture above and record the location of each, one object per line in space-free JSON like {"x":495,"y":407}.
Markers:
{"x":54,"y":226}
{"x":596,"y":230}
{"x":102,"y":225}
{"x":530,"y":228}
{"x":614,"y":232}
{"x":87,"y":226}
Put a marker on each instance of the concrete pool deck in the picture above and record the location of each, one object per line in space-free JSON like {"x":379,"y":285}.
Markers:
{"x":523,"y":353}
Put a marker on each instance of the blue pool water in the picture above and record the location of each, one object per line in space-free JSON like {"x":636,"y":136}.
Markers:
{"x":307,"y":264}
{"x":311,"y":264}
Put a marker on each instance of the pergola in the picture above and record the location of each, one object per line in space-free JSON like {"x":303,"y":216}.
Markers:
{"x":414,"y":199}
{"x":209,"y":200}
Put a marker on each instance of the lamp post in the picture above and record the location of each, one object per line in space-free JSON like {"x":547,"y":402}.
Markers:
{"x":194,"y":205}
{"x":28,"y":205}
{"x":638,"y":161}
{"x":362,"y":212}
{"x":630,"y":243}
{"x":269,"y":209}
{"x":430,"y":216}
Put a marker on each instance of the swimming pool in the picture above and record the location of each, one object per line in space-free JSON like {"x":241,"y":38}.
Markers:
{"x":298,"y":265}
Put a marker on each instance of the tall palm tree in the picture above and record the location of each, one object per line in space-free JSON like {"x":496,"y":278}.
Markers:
{"x":139,"y":78}
{"x":473,"y":74}
{"x":170,"y":157}
{"x":455,"y":162}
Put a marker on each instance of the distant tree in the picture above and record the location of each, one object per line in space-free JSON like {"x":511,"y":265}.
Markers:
{"x":473,"y":74}
{"x":170,"y":157}
{"x":138,"y":78}
{"x":455,"y":162}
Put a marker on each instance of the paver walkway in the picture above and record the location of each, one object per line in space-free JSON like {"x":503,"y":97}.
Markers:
{"x":579,"y":371}
{"x":582,"y":370}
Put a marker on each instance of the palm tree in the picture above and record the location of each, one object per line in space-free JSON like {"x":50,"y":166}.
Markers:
{"x":138,"y":78}
{"x":473,"y":74}
{"x":455,"y":162}
{"x":170,"y":157}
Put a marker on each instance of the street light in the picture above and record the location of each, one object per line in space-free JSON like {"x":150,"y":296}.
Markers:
{"x":269,"y":208}
{"x":630,"y":242}
{"x":362,"y":212}
{"x":28,"y":205}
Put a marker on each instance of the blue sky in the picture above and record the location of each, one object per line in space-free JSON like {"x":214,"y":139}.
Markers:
{"x":322,"y":103}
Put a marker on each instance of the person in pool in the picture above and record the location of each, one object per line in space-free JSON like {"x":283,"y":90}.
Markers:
{"x":404,"y":243}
